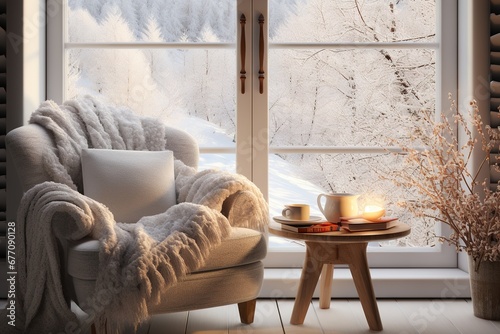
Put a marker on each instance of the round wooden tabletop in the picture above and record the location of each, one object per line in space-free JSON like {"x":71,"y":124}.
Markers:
{"x":343,"y":236}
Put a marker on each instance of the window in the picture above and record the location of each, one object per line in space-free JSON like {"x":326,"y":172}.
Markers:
{"x":338,"y":77}
{"x":356,"y":79}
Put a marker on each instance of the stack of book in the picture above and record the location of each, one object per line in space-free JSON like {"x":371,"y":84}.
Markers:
{"x":361,"y":224}
{"x":314,"y":228}
{"x":349,"y":224}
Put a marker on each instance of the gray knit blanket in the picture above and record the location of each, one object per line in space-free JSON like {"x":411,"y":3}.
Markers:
{"x":136,"y":261}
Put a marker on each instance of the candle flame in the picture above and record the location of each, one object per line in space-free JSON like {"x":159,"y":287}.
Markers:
{"x":373,"y":212}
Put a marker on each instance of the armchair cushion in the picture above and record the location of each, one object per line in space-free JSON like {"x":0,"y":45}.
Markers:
{"x":242,"y":246}
{"x":132,"y":184}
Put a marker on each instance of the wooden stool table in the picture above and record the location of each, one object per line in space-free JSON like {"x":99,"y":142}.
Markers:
{"x":323,"y":250}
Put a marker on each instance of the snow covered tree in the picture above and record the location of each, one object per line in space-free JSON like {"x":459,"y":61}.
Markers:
{"x":209,"y":91}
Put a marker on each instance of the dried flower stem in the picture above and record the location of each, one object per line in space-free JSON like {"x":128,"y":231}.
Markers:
{"x":449,"y":192}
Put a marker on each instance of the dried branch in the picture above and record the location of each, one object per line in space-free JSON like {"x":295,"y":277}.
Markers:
{"x":441,"y":175}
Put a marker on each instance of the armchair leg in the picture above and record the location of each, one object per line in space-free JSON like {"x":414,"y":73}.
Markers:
{"x":247,"y":311}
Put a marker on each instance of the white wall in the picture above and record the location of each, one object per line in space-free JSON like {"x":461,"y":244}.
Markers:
{"x":25,"y":59}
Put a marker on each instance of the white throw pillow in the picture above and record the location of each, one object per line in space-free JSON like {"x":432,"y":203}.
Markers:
{"x":132,"y":184}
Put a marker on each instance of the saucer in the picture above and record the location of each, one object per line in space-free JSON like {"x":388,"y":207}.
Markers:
{"x":288,"y":221}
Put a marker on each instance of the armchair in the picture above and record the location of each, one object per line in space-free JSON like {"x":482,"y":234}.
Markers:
{"x":232,"y":273}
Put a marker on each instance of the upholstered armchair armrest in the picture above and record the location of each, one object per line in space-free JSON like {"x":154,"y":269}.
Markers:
{"x":240,"y":207}
{"x":183,"y":145}
{"x":237,"y":198}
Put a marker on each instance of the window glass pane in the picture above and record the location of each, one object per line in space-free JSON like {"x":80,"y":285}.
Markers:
{"x":161,"y":21}
{"x":300,"y":178}
{"x":351,"y":97}
{"x":168,"y":84}
{"x":325,"y":21}
{"x":343,"y":96}
{"x":191,"y":89}
{"x":288,"y":183}
{"x":219,"y":161}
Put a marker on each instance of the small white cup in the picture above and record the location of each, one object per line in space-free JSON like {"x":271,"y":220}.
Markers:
{"x":296,"y":211}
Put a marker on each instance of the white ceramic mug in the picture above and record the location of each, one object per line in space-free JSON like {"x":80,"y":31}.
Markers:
{"x":338,"y":205}
{"x":296,"y":211}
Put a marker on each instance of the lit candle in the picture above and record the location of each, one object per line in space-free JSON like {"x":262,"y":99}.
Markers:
{"x":372,"y":212}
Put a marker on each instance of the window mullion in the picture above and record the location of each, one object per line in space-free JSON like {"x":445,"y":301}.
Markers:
{"x":244,"y":142}
{"x":56,"y":58}
{"x":260,"y":132}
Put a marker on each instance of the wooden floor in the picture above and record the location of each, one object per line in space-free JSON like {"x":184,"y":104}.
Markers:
{"x":345,"y":316}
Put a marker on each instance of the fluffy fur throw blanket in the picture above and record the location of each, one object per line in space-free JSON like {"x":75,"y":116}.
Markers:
{"x":136,"y":261}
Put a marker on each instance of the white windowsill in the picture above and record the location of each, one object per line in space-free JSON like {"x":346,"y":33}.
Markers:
{"x":387,"y":283}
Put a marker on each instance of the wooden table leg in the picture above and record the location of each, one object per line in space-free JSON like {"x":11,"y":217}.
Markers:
{"x":325,"y":286}
{"x":308,"y":280}
{"x":320,"y":258}
{"x":362,"y":280}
